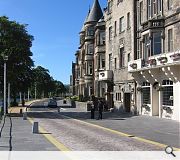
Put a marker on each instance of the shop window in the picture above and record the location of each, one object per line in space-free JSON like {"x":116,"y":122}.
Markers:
{"x":167,"y":92}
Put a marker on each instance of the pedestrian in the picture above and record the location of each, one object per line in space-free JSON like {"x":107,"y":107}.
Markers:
{"x":100,"y":109}
{"x":92,"y":106}
{"x":92,"y":111}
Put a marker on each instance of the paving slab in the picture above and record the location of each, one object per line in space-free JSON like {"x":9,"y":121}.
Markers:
{"x":22,"y":137}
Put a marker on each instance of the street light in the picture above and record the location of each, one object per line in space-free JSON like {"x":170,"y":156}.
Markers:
{"x":5,"y":60}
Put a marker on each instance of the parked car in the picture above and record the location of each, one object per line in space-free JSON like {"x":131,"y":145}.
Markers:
{"x":52,"y":103}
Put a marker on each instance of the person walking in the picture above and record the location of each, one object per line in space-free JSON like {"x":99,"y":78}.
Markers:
{"x":92,"y":111}
{"x":100,"y":109}
{"x":93,"y":105}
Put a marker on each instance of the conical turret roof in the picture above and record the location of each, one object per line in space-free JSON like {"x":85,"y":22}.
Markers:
{"x":95,"y":13}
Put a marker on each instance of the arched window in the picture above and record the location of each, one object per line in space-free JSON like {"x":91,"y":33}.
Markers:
{"x":146,"y":96}
{"x":167,"y":92}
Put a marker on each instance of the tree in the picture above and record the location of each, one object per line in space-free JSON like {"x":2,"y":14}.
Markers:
{"x":15,"y":42}
{"x":45,"y":84}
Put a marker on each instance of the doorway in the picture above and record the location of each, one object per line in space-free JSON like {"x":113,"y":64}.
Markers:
{"x":127,"y":102}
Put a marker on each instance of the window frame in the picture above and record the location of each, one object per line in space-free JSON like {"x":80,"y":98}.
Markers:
{"x":170,"y":40}
{"x":110,"y":34}
{"x":145,"y":86}
{"x":121,"y":24}
{"x":167,"y":87}
{"x":121,"y":58}
{"x":128,"y":20}
{"x":90,"y":47}
{"x":110,"y":61}
{"x":154,"y":43}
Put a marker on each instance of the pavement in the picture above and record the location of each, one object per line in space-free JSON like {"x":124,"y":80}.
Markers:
{"x":16,"y":134}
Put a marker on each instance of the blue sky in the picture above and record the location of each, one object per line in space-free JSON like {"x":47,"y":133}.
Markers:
{"x":55,"y":25}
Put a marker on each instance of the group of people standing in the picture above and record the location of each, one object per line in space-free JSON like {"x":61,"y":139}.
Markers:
{"x":97,"y":105}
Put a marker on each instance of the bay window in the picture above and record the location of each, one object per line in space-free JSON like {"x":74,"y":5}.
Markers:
{"x":90,"y":49}
{"x":156,"y":43}
{"x":90,"y":31}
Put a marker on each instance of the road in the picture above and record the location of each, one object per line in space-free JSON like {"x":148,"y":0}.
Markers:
{"x":79,"y":135}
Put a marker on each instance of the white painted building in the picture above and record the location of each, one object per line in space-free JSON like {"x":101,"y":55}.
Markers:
{"x":156,"y":68}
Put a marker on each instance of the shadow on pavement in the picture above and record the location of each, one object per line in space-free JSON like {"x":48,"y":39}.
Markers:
{"x":79,"y":115}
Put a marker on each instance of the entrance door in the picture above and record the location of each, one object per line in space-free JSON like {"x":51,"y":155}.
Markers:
{"x":127,"y":101}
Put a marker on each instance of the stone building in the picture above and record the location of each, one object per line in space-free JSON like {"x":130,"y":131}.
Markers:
{"x":120,"y":47}
{"x":99,"y":59}
{"x":84,"y":68}
{"x":156,"y":64}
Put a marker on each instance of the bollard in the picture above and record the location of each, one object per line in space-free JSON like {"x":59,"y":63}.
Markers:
{"x":25,"y":116}
{"x":35,"y":127}
{"x":20,"y":111}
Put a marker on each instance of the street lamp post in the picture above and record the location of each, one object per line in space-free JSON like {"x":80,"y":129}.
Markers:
{"x":5,"y":60}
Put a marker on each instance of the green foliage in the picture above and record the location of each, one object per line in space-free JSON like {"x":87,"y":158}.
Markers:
{"x":75,"y":98}
{"x":45,"y":84}
{"x":15,"y":42}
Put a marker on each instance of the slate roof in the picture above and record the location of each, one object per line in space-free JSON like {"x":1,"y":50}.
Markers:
{"x":95,"y":13}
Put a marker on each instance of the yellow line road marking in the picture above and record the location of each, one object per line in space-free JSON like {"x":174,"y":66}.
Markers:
{"x":124,"y":134}
{"x":51,"y":139}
